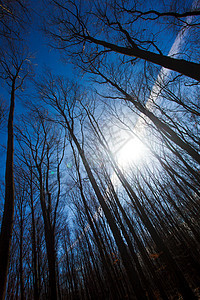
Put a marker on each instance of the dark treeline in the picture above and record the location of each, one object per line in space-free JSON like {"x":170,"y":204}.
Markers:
{"x":102,"y":195}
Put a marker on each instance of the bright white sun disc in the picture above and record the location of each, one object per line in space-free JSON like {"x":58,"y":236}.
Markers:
{"x":132,"y":152}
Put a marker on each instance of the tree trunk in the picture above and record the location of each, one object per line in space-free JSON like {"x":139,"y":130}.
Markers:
{"x":21,"y":273}
{"x":34,"y":251}
{"x":50,"y":246}
{"x":181,"y":66}
{"x":8,"y":215}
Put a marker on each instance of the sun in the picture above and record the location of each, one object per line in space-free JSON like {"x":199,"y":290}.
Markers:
{"x":134,"y":151}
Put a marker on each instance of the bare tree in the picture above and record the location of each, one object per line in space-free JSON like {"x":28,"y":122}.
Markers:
{"x":15,"y":68}
{"x":13,"y":17}
{"x":120,"y":28}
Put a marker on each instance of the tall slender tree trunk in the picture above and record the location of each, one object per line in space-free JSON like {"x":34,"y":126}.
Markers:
{"x":8,"y":215}
{"x":50,"y":245}
{"x":34,"y":250}
{"x":21,"y":271}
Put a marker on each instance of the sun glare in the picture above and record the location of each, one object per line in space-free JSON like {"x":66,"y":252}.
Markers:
{"x":134,"y":151}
